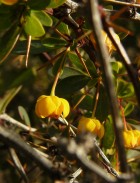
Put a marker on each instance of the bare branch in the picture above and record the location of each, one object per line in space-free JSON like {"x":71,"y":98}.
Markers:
{"x":104,"y":59}
{"x":14,"y":140}
{"x":11,"y":120}
{"x":77,"y":152}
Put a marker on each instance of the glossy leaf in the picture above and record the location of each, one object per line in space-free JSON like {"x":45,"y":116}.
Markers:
{"x":75,"y":60}
{"x":61,"y":26}
{"x":36,"y":47}
{"x":54,"y":43}
{"x":102,"y":109}
{"x":128,"y":109}
{"x":109,"y":135}
{"x":43,"y":17}
{"x":86,"y":103}
{"x":38,"y":5}
{"x":124,"y":89}
{"x":71,"y":84}
{"x":91,"y":68}
{"x":33,"y":26}
{"x":55,"y":3}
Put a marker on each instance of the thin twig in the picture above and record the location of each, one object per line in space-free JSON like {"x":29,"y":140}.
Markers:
{"x":14,"y":140}
{"x":11,"y":120}
{"x":78,"y":152}
{"x":123,"y":3}
{"x":18,"y":164}
{"x":132,"y":73}
{"x":104,"y":59}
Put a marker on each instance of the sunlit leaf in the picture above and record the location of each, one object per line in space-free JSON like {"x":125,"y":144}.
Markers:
{"x":128,"y":109}
{"x":54,"y":43}
{"x":33,"y":26}
{"x":43,"y":17}
{"x":124,"y":89}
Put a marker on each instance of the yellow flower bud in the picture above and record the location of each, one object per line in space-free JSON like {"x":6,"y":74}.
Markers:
{"x":51,"y":106}
{"x":91,"y":125}
{"x":131,"y":138}
{"x":106,"y":40}
{"x":9,"y":2}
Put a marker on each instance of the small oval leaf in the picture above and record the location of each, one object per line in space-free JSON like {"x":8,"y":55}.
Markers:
{"x":71,"y":84}
{"x":33,"y":26}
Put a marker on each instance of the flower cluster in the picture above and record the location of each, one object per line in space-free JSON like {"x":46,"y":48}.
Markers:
{"x":91,"y":125}
{"x":131,"y":138}
{"x":9,"y":2}
{"x":51,"y":106}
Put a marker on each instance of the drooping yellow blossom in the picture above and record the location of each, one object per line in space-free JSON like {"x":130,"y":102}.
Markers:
{"x":91,"y":125}
{"x":51,"y":106}
{"x":131,"y":138}
{"x":106,"y":40}
{"x":9,"y":2}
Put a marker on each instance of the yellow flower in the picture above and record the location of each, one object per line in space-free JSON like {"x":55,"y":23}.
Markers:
{"x":51,"y":106}
{"x":9,"y":2}
{"x":91,"y":125}
{"x":106,"y":40}
{"x":131,"y":138}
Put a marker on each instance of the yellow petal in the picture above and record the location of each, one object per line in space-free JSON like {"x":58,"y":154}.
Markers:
{"x":129,"y":139}
{"x":59,"y":107}
{"x":86,"y":124}
{"x":137,"y":137}
{"x":9,"y":2}
{"x":45,"y":106}
{"x":101,"y":132}
{"x":66,"y":107}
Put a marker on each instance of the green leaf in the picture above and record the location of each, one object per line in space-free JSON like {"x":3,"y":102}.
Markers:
{"x":128,"y":109}
{"x":54,"y":43}
{"x":133,"y":121}
{"x":71,"y":84}
{"x":24,"y":115}
{"x":38,"y":5}
{"x":25,"y":76}
{"x":62,"y":27}
{"x":7,"y":98}
{"x":70,"y":71}
{"x":91,"y":68}
{"x":102,"y":109}
{"x":86,"y":103}
{"x":8,"y":41}
{"x":33,"y":26}
{"x":55,"y":3}
{"x":36,"y":47}
{"x":118,"y":67}
{"x":124,"y":89}
{"x":75,"y":60}
{"x":109,"y":136}
{"x":43,"y":17}
{"x":59,"y":63}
